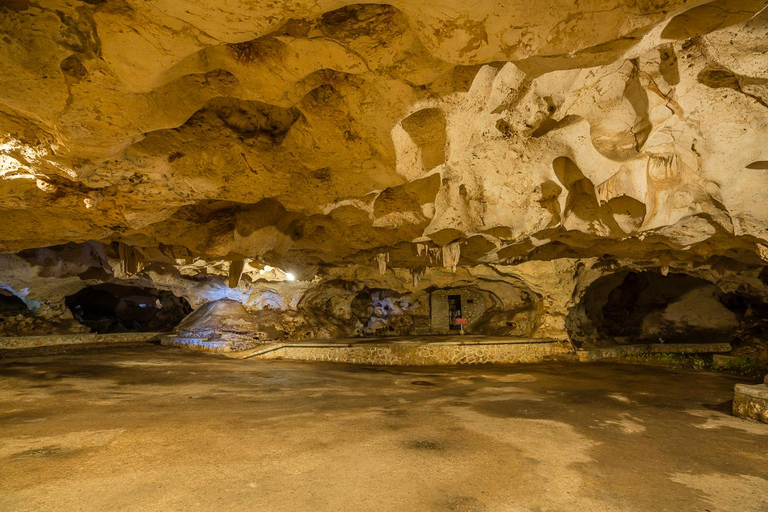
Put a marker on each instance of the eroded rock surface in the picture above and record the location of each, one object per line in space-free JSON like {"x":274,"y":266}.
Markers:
{"x":534,"y":153}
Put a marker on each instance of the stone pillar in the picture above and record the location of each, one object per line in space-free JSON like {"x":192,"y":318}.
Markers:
{"x":555,"y":282}
{"x":751,"y":402}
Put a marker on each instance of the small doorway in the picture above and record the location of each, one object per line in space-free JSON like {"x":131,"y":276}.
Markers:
{"x":454,"y":311}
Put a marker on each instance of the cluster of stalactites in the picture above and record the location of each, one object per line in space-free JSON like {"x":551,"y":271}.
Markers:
{"x":447,"y":255}
{"x":382,"y":259}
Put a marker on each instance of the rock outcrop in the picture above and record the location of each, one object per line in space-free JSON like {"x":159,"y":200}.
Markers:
{"x":224,"y":322}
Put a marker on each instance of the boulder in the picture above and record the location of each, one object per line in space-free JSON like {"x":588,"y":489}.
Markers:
{"x":222,"y":325}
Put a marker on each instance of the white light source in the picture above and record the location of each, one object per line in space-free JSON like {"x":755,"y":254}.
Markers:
{"x":290,"y":277}
{"x":11,"y":168}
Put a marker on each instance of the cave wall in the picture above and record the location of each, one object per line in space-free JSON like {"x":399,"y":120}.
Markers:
{"x":328,"y":163}
{"x":329,"y":133}
{"x":589,"y":301}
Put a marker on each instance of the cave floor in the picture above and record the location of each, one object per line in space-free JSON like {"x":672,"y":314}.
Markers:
{"x":158,"y":428}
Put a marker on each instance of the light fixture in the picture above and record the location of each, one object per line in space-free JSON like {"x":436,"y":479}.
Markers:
{"x":290,"y":277}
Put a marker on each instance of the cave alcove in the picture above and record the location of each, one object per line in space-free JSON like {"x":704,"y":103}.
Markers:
{"x":11,"y":305}
{"x":111,"y":308}
{"x":385,"y":312}
{"x":649,"y":307}
{"x":496,"y":308}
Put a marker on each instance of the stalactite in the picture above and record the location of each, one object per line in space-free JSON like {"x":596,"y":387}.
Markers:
{"x":382,"y":258}
{"x":130,"y":259}
{"x":435,"y":254}
{"x":416,"y":275}
{"x":513,"y":260}
{"x":235,"y":272}
{"x":451,"y":255}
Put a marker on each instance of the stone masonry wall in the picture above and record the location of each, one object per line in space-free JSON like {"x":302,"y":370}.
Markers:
{"x":472,"y":308}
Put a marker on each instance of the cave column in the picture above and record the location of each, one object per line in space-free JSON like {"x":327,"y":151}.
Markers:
{"x":555,"y":282}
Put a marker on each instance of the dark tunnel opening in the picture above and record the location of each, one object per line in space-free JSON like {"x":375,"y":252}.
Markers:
{"x":651,"y":307}
{"x":112,"y":308}
{"x":641,"y":294}
{"x":11,"y":305}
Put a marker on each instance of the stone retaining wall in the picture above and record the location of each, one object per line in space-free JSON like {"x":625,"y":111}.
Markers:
{"x":55,"y":340}
{"x":653,"y":348}
{"x":418,"y":354}
{"x":751,"y":402}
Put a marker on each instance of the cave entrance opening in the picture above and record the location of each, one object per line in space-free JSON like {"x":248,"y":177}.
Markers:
{"x":454,"y":312}
{"x":651,"y":307}
{"x":110,"y":308}
{"x":11,"y":305}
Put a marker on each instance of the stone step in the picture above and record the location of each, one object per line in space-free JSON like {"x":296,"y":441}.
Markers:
{"x":751,"y":402}
{"x":196,"y":343}
{"x":414,"y":353}
{"x":50,"y":340}
{"x":653,"y":348}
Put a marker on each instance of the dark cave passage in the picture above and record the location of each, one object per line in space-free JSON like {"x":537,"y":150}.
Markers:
{"x":11,"y":305}
{"x":109,"y":308}
{"x":651,"y":307}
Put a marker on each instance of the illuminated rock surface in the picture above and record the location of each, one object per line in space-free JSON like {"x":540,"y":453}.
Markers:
{"x":224,"y":322}
{"x":560,"y":160}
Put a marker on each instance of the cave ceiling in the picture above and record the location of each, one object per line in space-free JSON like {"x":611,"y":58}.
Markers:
{"x":319,"y":134}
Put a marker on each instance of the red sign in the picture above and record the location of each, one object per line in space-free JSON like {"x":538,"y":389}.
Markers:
{"x":461,"y":321}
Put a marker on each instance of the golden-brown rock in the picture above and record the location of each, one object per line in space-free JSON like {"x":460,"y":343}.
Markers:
{"x":317,"y":136}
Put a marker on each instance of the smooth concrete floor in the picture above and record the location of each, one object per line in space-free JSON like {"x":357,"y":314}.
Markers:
{"x":161,"y":429}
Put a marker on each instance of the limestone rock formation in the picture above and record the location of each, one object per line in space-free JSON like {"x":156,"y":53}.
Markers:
{"x":225,"y":322}
{"x":293,"y":155}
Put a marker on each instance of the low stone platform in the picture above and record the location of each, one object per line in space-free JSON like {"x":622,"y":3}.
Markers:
{"x":198,"y":343}
{"x":219,"y":326}
{"x":751,"y":402}
{"x":414,"y":351}
{"x":652,"y":348}
{"x":725,"y":361}
{"x":56,"y":340}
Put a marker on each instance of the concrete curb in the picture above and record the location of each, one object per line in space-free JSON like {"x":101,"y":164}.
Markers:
{"x":56,"y":340}
{"x":652,"y":348}
{"x":412,"y":353}
{"x":751,"y":402}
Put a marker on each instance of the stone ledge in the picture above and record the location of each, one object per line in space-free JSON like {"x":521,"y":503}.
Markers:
{"x":751,"y":402}
{"x":753,"y":390}
{"x":652,"y":348}
{"x":195,"y":343}
{"x":725,"y":361}
{"x":413,"y":353}
{"x":53,"y":340}
{"x":208,"y":345}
